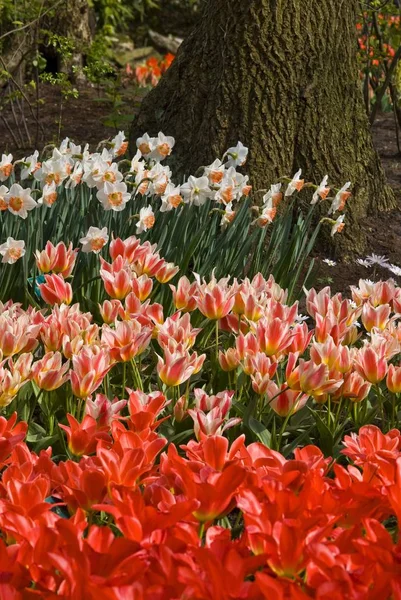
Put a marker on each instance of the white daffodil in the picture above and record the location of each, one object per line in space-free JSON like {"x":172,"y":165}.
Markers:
{"x":12,"y":250}
{"x":6,"y":166}
{"x":163,"y":146}
{"x":196,"y":190}
{"x":296,"y":184}
{"x":19,"y":200}
{"x":31,"y":164}
{"x":146,"y":219}
{"x":3,"y":194}
{"x":93,"y":172}
{"x":137,"y":162}
{"x":274,"y":194}
{"x":338,"y":225}
{"x":160,"y":177}
{"x":228,"y":216}
{"x":171,"y":198}
{"x":236,"y":155}
{"x":94,"y":240}
{"x":49,"y":195}
{"x":109,"y":173}
{"x":119,"y":144}
{"x":322,"y":191}
{"x":215,"y":172}
{"x":146,"y":144}
{"x":113,"y":196}
{"x":340,"y":199}
{"x":76,"y":176}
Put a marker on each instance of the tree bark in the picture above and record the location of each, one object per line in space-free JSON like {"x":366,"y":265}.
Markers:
{"x":281,"y":76}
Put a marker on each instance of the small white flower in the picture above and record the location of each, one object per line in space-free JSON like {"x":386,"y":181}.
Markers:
{"x":395,"y":269}
{"x":146,"y":219}
{"x":94,"y":240}
{"x":331,"y":263}
{"x":375,"y":259}
{"x":236,"y":155}
{"x":19,"y":200}
{"x":301,"y":318}
{"x":12,"y":250}
{"x":113,"y":196}
{"x":363,"y":262}
{"x":196,"y":190}
{"x":295,"y":184}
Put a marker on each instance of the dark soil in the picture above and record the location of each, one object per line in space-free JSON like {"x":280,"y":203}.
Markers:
{"x":88,"y":119}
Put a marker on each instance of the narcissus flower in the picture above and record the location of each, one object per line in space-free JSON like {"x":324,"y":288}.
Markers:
{"x":163,"y":146}
{"x":322,"y":191}
{"x":49,"y":195}
{"x":6,"y":166}
{"x":196,"y":190}
{"x":119,"y":144}
{"x":19,"y":200}
{"x":236,"y":155}
{"x":146,"y":219}
{"x":12,"y":250}
{"x":171,"y":198}
{"x":113,"y":196}
{"x":340,"y":199}
{"x":338,"y":225}
{"x":94,"y":240}
{"x":296,"y":184}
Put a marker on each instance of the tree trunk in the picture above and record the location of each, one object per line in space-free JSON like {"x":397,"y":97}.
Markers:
{"x":281,"y":76}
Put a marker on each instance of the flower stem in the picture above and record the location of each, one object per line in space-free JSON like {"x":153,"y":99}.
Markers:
{"x":217,"y":341}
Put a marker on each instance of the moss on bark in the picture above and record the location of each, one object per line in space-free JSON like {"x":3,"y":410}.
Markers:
{"x":282,"y":77}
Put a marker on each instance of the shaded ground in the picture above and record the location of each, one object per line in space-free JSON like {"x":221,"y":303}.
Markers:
{"x":89,"y":117}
